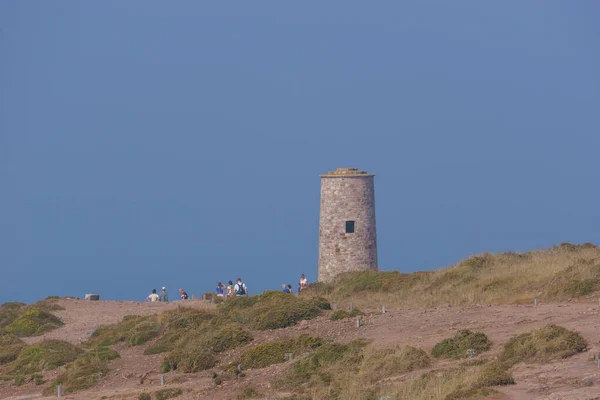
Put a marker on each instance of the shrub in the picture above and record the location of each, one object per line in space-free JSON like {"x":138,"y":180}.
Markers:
{"x":87,"y":370}
{"x":144,"y":396}
{"x":343,"y":314}
{"x":133,"y":329}
{"x":168,"y":393}
{"x":9,"y":312}
{"x":10,"y":347}
{"x":195,"y":351}
{"x":457,"y":346}
{"x":177,"y":325}
{"x":33,"y":323}
{"x":271,"y":310}
{"x":46,"y":355}
{"x":103,"y":353}
{"x":270,"y":353}
{"x":495,"y":374}
{"x":379,"y":364}
{"x":548,"y":343}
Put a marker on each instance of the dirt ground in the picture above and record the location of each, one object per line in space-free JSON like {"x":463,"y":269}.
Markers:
{"x":576,"y":378}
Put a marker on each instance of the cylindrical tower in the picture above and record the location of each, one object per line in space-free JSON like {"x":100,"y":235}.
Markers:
{"x":347,"y":232}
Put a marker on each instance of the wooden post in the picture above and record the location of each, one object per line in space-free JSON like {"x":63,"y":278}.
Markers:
{"x":358,"y":322}
{"x":351,"y":307}
{"x":59,"y":390}
{"x":162,"y":379}
{"x":383,"y":309}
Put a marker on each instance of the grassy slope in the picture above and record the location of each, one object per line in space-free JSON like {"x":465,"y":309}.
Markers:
{"x":558,"y":273}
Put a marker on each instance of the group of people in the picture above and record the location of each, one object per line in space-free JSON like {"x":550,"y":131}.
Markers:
{"x":231,"y":290}
{"x":303,"y":284}
{"x":164,"y":296}
{"x":239,"y":289}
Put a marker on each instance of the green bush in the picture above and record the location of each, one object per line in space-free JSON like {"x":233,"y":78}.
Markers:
{"x":144,"y":396}
{"x":495,"y":374}
{"x":548,"y":343}
{"x":87,"y":370}
{"x":270,"y":353}
{"x":196,"y":350}
{"x":271,"y":310}
{"x":134,"y":330}
{"x":168,"y":394}
{"x":457,"y":346}
{"x":378,"y":364}
{"x":343,"y":314}
{"x":46,"y":355}
{"x":9,"y":312}
{"x":177,"y":325}
{"x":10,"y":347}
{"x":34,"y":322}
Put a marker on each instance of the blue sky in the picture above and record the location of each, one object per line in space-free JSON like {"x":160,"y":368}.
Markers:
{"x":150,"y":143}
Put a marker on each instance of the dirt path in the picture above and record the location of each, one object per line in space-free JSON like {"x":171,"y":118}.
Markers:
{"x":576,"y":378}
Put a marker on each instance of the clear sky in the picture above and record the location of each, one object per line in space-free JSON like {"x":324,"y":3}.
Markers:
{"x":179,"y":143}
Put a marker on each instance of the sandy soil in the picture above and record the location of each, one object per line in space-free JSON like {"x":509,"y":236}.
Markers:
{"x":576,"y":378}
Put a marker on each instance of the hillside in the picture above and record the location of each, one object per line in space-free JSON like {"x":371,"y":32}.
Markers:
{"x":120,"y":350}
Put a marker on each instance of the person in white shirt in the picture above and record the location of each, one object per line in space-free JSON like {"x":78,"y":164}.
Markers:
{"x":303,"y":283}
{"x":240,"y":288}
{"x":153,"y":296}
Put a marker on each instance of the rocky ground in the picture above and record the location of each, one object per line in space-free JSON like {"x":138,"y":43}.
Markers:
{"x":576,"y":378}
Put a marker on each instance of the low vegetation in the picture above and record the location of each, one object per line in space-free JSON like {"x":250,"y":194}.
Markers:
{"x":463,"y":341}
{"x":270,"y":353}
{"x":168,"y":393}
{"x":343,"y":314}
{"x":272,"y":310}
{"x":134,"y":330}
{"x":43,"y":356}
{"x":558,"y":273}
{"x":10,"y":347}
{"x":33,"y":322}
{"x":196,"y":350}
{"x":551,"y":342}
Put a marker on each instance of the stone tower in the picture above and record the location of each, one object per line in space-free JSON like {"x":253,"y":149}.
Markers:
{"x":347,"y":232}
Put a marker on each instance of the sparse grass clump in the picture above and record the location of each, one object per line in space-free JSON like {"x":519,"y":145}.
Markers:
{"x":249,"y":393}
{"x":270,"y":353}
{"x":9,"y":312}
{"x":495,"y":374}
{"x":168,"y":393}
{"x":178,"y":325}
{"x":343,"y":314}
{"x":33,"y":322}
{"x":271,"y":310}
{"x":144,"y":396}
{"x":457,"y":346}
{"x":10,"y":347}
{"x":548,"y":343}
{"x":382,"y":363}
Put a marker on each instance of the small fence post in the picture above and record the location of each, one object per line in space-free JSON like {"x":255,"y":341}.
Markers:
{"x":383,"y":309}
{"x":351,"y":307}
{"x":162,"y":379}
{"x":358,"y":322}
{"x":59,"y":390}
{"x":535,"y":302}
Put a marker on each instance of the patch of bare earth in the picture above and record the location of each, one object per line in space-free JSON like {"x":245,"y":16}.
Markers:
{"x":575,"y":378}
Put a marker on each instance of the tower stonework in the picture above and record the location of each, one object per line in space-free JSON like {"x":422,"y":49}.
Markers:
{"x":347,"y":231}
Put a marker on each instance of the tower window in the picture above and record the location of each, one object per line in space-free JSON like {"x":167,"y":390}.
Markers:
{"x":349,"y":226}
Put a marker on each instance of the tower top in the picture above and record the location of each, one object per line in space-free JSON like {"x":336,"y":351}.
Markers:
{"x":345,"y":173}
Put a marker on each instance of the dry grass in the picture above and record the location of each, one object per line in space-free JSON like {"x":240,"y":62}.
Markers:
{"x":558,"y":273}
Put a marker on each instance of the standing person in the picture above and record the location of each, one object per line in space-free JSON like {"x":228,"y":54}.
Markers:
{"x":164,"y":296}
{"x":184,"y":295}
{"x":229,"y":289}
{"x":153,"y":296}
{"x":220,"y":290}
{"x":303,"y":283}
{"x":240,"y":288}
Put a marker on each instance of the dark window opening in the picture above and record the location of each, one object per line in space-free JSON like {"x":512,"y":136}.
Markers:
{"x":349,"y":226}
